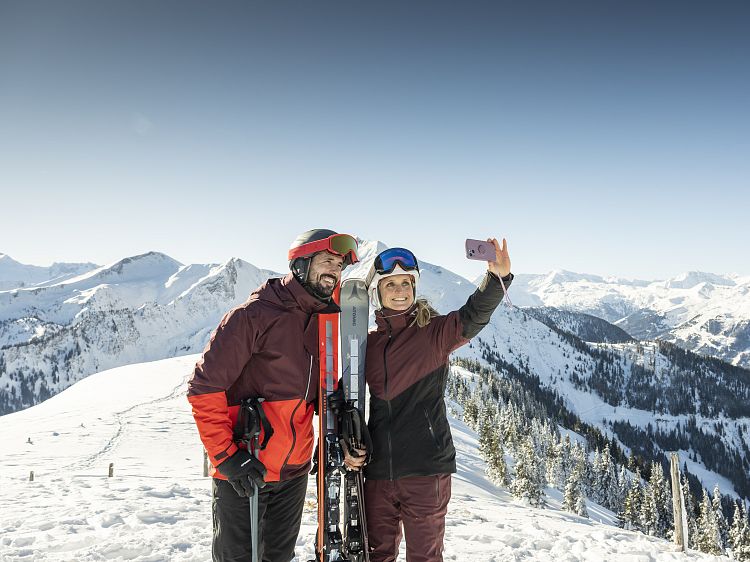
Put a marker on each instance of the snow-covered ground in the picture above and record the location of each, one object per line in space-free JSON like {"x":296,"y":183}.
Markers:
{"x":157,"y":505}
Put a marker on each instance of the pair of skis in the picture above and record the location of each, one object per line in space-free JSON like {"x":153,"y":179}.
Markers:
{"x":342,"y":335}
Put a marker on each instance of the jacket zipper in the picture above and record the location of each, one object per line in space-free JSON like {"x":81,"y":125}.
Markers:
{"x":291,"y":420}
{"x":429,"y":425}
{"x":388,"y":402}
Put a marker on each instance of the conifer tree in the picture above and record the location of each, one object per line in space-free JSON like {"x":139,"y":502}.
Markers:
{"x":623,"y":485}
{"x":492,"y":451}
{"x":594,"y":478}
{"x":662,"y":500}
{"x":739,"y":535}
{"x":487,"y":431}
{"x":609,"y":484}
{"x":690,"y":512}
{"x":471,"y":412}
{"x":498,"y":467}
{"x":707,"y":537}
{"x":528,"y":481}
{"x":509,"y":427}
{"x":554,"y":464}
{"x":565,"y":463}
{"x":574,"y":499}
{"x":648,"y":512}
{"x":631,"y":512}
{"x":721,"y":521}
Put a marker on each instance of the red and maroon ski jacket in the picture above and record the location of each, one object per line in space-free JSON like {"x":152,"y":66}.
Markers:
{"x":264,"y":348}
{"x":407,"y":372}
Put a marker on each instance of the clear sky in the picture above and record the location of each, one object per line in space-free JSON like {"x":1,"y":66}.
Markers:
{"x":602,"y":137}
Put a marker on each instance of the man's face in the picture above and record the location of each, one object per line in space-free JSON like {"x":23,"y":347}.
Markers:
{"x":325,"y":273}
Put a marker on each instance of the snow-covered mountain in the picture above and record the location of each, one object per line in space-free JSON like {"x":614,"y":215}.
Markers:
{"x":702,"y":312}
{"x":651,"y":398}
{"x":587,"y":327}
{"x":14,"y":274}
{"x":138,"y":309}
{"x":157,"y":505}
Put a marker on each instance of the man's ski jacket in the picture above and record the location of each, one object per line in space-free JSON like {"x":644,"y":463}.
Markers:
{"x":265,"y":348}
{"x":407,"y":372}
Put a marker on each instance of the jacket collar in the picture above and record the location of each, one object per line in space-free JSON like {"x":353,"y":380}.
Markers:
{"x":305,"y":300}
{"x":394,"y":320}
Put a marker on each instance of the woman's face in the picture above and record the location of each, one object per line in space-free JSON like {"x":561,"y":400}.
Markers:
{"x":397,"y":292}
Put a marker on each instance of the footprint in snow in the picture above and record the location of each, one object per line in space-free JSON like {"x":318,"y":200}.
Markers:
{"x":22,"y":541}
{"x":149,"y":518}
{"x":110,"y":520}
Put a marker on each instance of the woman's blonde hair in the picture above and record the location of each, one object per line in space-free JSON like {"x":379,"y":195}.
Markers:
{"x":424,"y":313}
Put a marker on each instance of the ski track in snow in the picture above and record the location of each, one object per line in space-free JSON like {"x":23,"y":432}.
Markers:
{"x":157,"y":507}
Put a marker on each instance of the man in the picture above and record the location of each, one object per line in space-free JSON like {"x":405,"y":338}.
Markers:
{"x":267,"y":348}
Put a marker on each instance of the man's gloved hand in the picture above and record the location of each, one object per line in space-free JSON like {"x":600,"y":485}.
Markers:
{"x":337,"y":400}
{"x":242,"y":470}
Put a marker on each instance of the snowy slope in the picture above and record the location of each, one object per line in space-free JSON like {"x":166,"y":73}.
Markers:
{"x":157,"y":506}
{"x":702,"y":312}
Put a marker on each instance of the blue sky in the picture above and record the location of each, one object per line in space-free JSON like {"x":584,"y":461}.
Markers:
{"x":603,"y":137}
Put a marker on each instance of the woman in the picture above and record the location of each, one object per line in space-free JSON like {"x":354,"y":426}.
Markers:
{"x":408,"y":479}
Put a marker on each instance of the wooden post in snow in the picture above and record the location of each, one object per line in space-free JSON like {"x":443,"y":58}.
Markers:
{"x":31,"y":476}
{"x":111,"y":469}
{"x":205,"y":463}
{"x":680,"y":529}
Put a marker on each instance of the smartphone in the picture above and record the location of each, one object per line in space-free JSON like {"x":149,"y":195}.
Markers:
{"x":480,"y":250}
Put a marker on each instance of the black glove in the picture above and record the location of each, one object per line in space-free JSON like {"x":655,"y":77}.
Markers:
{"x":337,"y":400}
{"x":242,"y":471}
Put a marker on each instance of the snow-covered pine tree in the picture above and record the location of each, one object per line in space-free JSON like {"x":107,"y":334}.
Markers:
{"x":491,"y":448}
{"x":528,"y":481}
{"x":497,"y":468}
{"x":739,"y":534}
{"x":471,"y":412}
{"x":554,"y":465}
{"x":631,"y":512}
{"x":574,"y":498}
{"x":564,"y":464}
{"x":690,"y":512}
{"x":543,"y":437}
{"x":623,"y":485}
{"x":593,"y":470}
{"x":487,"y":431}
{"x":662,"y":501}
{"x":609,"y":485}
{"x":510,"y":426}
{"x":721,"y":521}
{"x":707,"y":537}
{"x":648,"y":514}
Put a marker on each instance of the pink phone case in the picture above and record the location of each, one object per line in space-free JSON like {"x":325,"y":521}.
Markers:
{"x":480,"y":250}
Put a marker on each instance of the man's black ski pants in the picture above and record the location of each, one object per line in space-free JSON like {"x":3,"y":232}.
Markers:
{"x":279,"y":510}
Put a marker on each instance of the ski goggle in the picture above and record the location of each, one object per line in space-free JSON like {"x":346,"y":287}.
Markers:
{"x":339,"y":244}
{"x":387,"y":260}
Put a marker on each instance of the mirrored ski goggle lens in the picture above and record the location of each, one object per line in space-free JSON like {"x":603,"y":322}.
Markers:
{"x":388,"y":260}
{"x":343,"y":244}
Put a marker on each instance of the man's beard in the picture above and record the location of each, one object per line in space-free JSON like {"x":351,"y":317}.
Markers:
{"x":323,"y":292}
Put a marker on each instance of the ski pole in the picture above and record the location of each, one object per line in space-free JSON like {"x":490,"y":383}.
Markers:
{"x":254,"y":521}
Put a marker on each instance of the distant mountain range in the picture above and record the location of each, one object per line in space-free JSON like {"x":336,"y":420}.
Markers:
{"x":14,"y":274}
{"x":701,"y":312}
{"x":586,"y":340}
